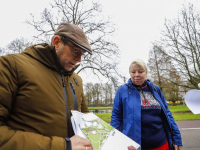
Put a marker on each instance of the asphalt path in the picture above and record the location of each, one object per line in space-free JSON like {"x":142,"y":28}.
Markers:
{"x":190,"y":132}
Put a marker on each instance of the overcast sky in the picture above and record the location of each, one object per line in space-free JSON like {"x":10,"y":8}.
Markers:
{"x":138,"y":23}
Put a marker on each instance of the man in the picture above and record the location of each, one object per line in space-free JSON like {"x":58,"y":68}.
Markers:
{"x":38,"y":90}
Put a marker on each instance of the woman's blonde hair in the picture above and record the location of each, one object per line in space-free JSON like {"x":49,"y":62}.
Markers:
{"x":140,"y":63}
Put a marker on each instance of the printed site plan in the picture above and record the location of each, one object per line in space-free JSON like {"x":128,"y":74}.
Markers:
{"x":102,"y":135}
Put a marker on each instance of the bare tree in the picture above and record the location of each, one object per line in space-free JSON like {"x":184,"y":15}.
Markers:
{"x":164,"y":74}
{"x":115,"y":83}
{"x":181,"y":41}
{"x":154,"y":64}
{"x":99,"y":31}
{"x":173,"y":92}
{"x":88,"y":93}
{"x":111,"y":93}
{"x":108,"y":91}
{"x":97,"y":92}
{"x":18,"y":45}
{"x":93,"y":93}
{"x":1,"y":51}
{"x":4,"y":51}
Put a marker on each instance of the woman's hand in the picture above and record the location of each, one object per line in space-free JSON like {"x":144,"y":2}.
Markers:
{"x":177,"y":147}
{"x":131,"y":148}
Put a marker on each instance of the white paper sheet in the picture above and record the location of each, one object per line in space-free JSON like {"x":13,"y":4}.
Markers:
{"x":192,"y":100}
{"x":102,"y":135}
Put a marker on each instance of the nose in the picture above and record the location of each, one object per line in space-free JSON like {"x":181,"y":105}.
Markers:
{"x":137,"y":73}
{"x":78,"y":58}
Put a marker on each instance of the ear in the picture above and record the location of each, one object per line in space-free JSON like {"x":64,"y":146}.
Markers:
{"x":56,"y":42}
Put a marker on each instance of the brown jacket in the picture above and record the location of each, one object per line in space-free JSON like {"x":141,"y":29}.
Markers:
{"x":32,"y":102}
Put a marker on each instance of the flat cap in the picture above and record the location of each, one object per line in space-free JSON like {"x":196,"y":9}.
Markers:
{"x":75,"y":35}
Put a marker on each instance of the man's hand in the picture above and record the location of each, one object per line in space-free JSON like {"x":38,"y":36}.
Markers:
{"x":79,"y":143}
{"x":131,"y":148}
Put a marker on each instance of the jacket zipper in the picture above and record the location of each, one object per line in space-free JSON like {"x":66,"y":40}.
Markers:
{"x":66,"y":102}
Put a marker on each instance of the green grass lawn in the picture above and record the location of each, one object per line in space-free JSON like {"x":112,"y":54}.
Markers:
{"x":179,"y":112}
{"x":178,"y":108}
{"x":106,"y":117}
{"x":105,"y":108}
{"x":185,"y":116}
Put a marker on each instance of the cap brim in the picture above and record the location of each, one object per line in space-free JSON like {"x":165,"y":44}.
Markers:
{"x":85,"y":49}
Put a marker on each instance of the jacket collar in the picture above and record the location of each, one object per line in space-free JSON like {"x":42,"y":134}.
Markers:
{"x":131,"y":85}
{"x":46,"y":54}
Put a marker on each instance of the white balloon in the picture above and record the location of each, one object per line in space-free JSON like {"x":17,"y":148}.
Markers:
{"x":199,"y":85}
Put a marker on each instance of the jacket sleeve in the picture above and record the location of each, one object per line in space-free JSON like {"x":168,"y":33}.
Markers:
{"x":117,"y":112}
{"x":175,"y":133}
{"x":12,"y":139}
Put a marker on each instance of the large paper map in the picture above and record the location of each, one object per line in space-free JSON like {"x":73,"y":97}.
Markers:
{"x":102,"y":135}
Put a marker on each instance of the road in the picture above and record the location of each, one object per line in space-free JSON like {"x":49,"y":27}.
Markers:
{"x":190,"y":132}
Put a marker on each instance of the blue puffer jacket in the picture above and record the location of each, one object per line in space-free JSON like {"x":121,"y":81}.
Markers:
{"x":126,"y":113}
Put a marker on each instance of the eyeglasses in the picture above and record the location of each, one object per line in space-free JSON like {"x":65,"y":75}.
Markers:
{"x":76,"y":52}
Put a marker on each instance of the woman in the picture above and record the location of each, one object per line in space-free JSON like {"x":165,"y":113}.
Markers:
{"x":140,"y":111}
